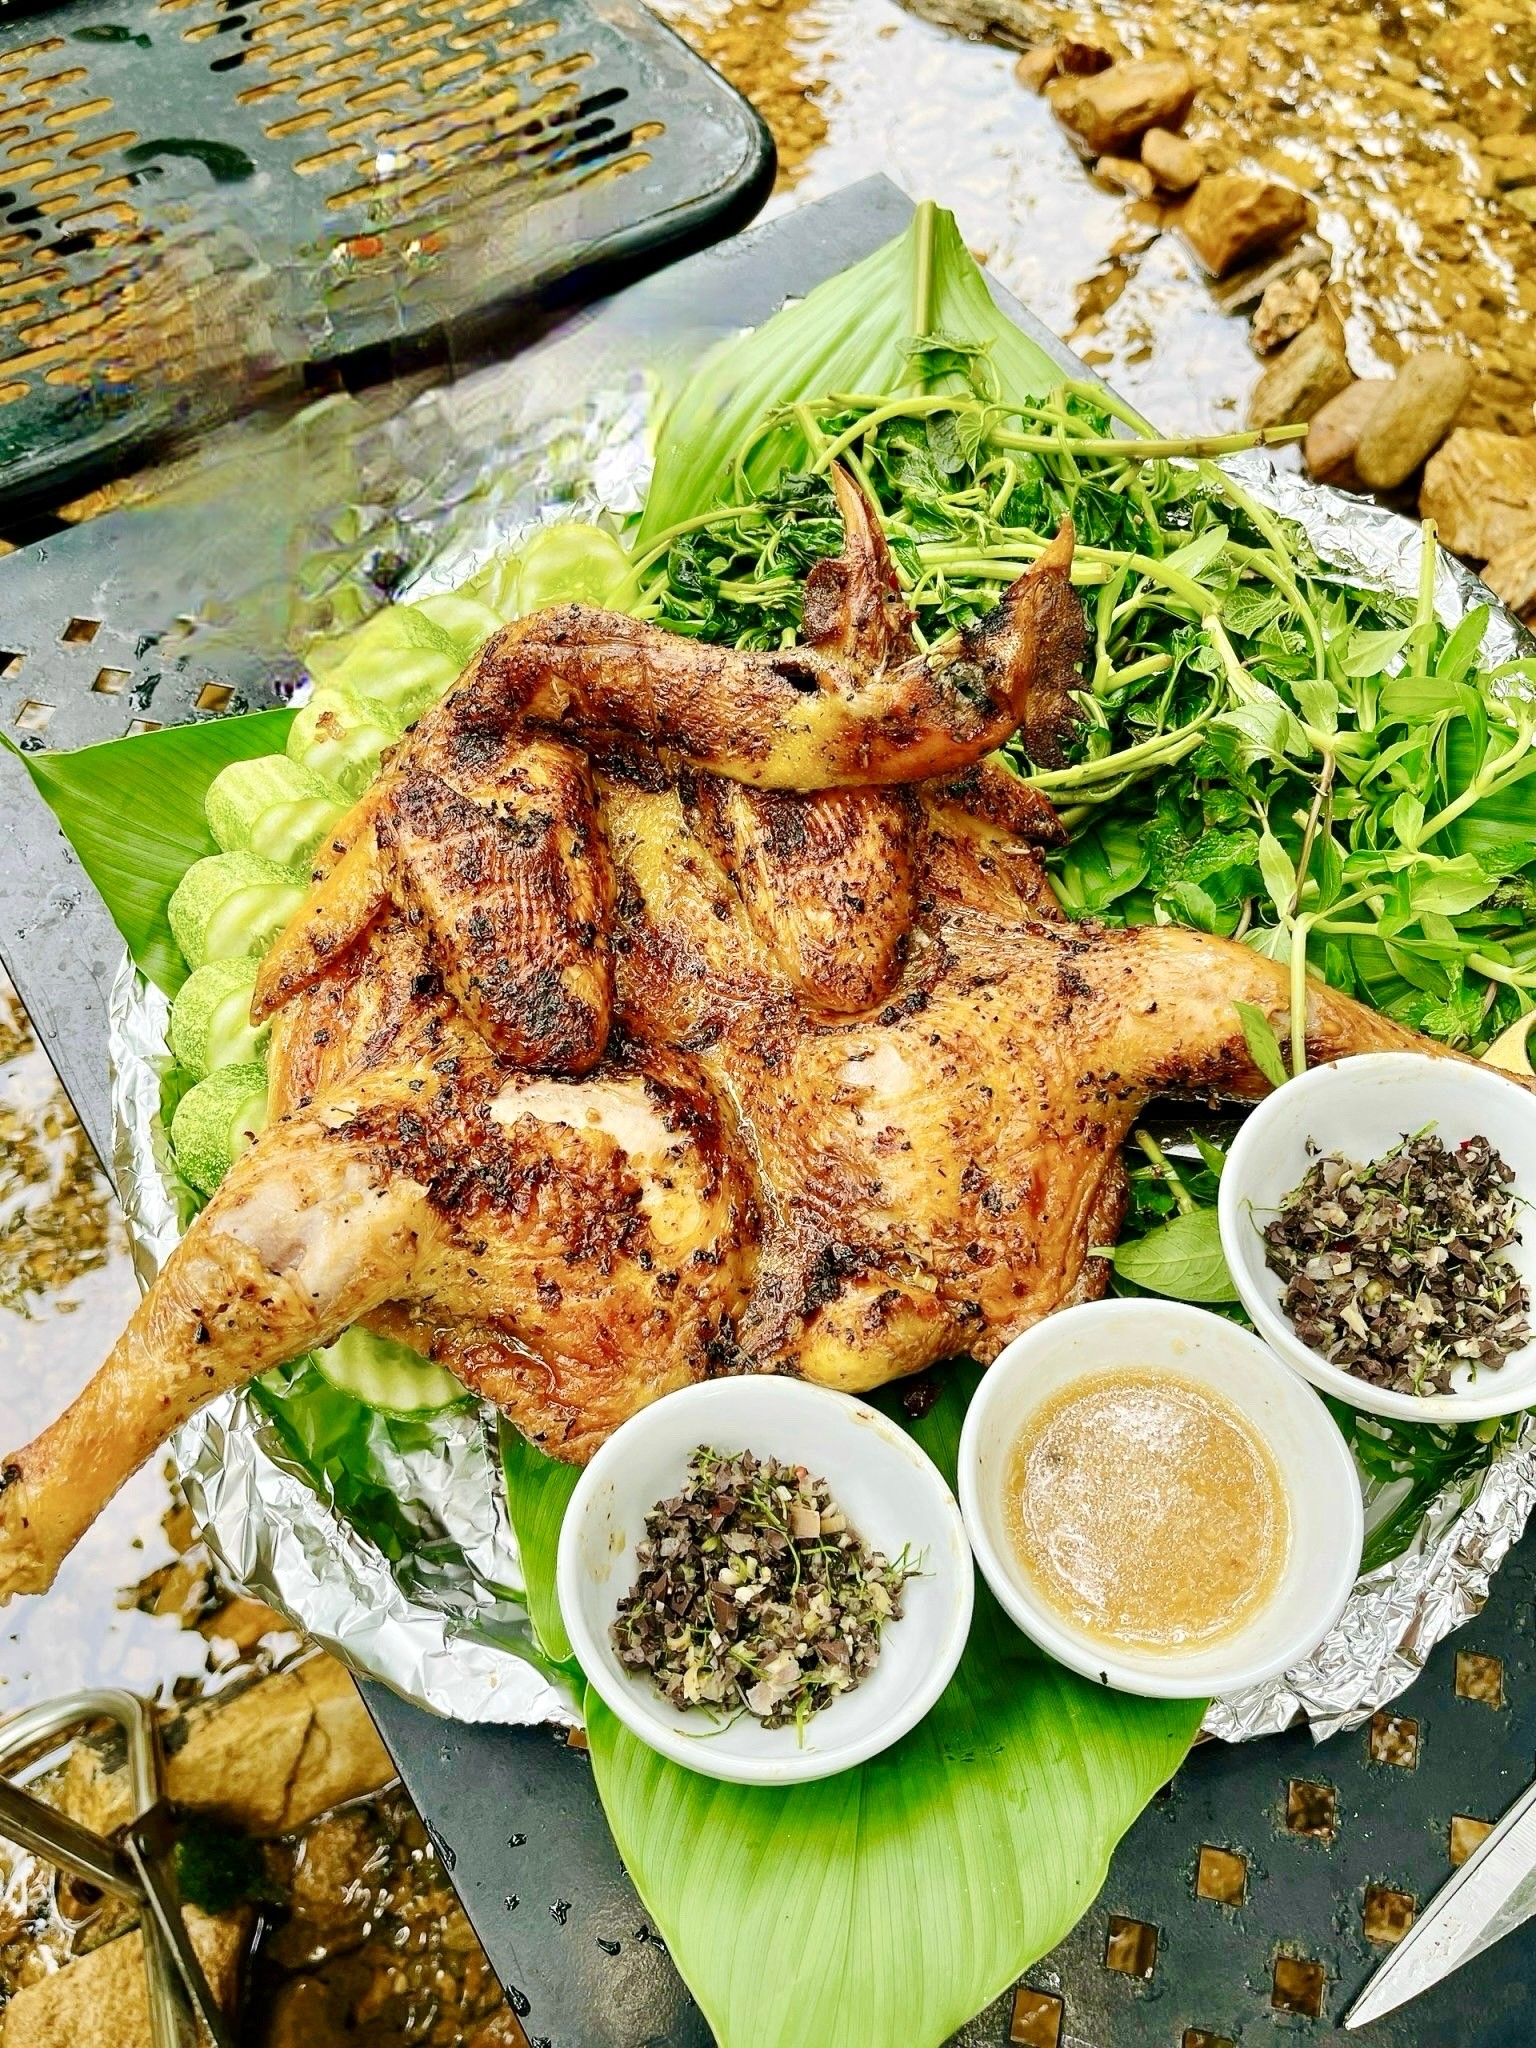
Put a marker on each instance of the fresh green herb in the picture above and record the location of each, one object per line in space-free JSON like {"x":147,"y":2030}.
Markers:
{"x":1182,"y":1258}
{"x":1263,"y":1046}
{"x":1398,"y":1271}
{"x":1269,"y":750}
{"x":753,"y":1593}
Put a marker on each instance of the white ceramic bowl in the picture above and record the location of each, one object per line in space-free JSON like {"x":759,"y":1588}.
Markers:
{"x":892,"y":1494}
{"x":1315,"y":1467}
{"x":1362,"y":1107}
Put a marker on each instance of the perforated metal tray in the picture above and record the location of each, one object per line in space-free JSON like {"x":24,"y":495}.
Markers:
{"x":205,"y":202}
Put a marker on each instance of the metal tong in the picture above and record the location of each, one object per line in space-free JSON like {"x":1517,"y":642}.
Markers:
{"x":138,"y":1867}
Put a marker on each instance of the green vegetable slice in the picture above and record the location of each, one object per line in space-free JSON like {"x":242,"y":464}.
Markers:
{"x":912,"y":1890}
{"x":231,"y":904}
{"x":386,"y":1375}
{"x":273,"y":807}
{"x":211,"y":1018}
{"x":341,"y":735}
{"x":569,"y":563}
{"x":215,"y":1121}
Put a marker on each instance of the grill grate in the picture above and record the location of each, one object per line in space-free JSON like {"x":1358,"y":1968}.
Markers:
{"x":199,"y":202}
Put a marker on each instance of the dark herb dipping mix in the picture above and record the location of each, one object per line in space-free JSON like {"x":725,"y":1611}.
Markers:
{"x":754,"y":1594}
{"x":1398,"y":1270}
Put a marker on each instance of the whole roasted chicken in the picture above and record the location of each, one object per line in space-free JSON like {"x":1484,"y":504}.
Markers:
{"x":667,"y":1010}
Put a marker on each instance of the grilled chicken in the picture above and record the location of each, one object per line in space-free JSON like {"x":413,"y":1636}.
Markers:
{"x":666,"y":1010}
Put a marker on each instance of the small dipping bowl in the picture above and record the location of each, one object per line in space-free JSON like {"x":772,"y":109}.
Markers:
{"x":893,"y":1496}
{"x":1363,"y":1107}
{"x":1315,"y":1468}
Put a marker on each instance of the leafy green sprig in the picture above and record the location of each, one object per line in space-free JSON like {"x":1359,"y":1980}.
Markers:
{"x":1269,"y":749}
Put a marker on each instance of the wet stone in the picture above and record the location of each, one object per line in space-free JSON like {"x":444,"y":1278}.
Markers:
{"x":1131,"y":1947}
{"x":1301,"y":380}
{"x":1113,"y":107}
{"x":1174,"y":162}
{"x":1394,"y":1739}
{"x":1311,"y":1809}
{"x":1387,"y":1915}
{"x":1299,"y":1986}
{"x":1466,"y":1834}
{"x":1412,"y":417}
{"x":1335,"y":430}
{"x":1221,"y":1875}
{"x":1479,"y":1678}
{"x":1036,"y":2019}
{"x":1232,"y":218}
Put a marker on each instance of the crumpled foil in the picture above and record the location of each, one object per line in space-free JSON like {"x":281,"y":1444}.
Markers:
{"x":453,"y":1634}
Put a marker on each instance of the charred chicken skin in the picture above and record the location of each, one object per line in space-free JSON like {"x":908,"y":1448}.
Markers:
{"x":666,"y":1009}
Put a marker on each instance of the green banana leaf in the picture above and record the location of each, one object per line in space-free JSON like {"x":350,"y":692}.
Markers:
{"x":849,"y":334}
{"x":133,"y":811}
{"x":539,"y":1489}
{"x":902,"y":1896}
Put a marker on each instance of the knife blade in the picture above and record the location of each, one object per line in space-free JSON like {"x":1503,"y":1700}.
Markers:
{"x":1493,"y":1893}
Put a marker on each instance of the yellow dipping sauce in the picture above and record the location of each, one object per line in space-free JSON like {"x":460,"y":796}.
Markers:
{"x":1147,"y":1510}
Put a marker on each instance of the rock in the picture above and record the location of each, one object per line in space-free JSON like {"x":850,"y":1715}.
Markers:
{"x":1037,"y":66}
{"x":268,"y":1757}
{"x":1113,"y":107}
{"x":1300,"y":382}
{"x":304,"y":2015}
{"x":1126,"y":175}
{"x":1230,"y":218}
{"x":1511,"y":159}
{"x":1082,"y":57}
{"x":244,"y":1623}
{"x":1286,"y":307}
{"x":1175,"y":163}
{"x":1511,"y":574}
{"x":1480,"y":490}
{"x":1329,"y":449}
{"x":101,"y":2000}
{"x":1413,"y":417}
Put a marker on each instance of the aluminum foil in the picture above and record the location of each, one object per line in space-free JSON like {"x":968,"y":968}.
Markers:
{"x":450,"y":1629}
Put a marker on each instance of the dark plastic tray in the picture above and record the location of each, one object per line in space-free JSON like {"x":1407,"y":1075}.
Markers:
{"x":205,"y":203}
{"x":514,"y":1811}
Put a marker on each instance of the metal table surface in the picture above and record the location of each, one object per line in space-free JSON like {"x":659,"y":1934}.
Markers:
{"x":1184,"y":1946}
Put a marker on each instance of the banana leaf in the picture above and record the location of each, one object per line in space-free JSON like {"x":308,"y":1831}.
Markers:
{"x":851,"y":333}
{"x":133,"y":811}
{"x":884,"y":1907}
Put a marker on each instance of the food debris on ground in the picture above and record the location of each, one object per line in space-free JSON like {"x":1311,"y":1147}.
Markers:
{"x":1398,"y":1271}
{"x":755,"y":1594}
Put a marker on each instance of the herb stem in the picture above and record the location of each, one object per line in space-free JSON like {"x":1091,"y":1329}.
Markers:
{"x":1164,"y":1168}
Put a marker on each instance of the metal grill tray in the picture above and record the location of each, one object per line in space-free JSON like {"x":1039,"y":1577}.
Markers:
{"x":88,"y":649}
{"x":203,"y":202}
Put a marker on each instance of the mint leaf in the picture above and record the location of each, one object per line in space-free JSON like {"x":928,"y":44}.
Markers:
{"x":1263,"y":1046}
{"x":1181,"y":1258}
